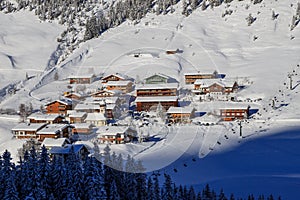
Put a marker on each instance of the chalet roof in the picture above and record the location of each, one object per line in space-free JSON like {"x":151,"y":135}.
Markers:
{"x":95,"y":117}
{"x":77,"y":114}
{"x":82,"y":125}
{"x":159,"y":74}
{"x":58,"y":142}
{"x":216,"y":106}
{"x":112,"y":130}
{"x":62,"y":101}
{"x":52,"y":129}
{"x":67,"y":149}
{"x":117,"y":75}
{"x":156,"y":86}
{"x":117,"y":83}
{"x":105,"y":91}
{"x":182,"y":110}
{"x":157,"y":99}
{"x":82,"y":76}
{"x":28,"y":127}
{"x":41,"y":116}
{"x":105,"y":100}
{"x":73,"y":93}
{"x":208,"y":82}
{"x":82,"y":106}
{"x":201,"y":72}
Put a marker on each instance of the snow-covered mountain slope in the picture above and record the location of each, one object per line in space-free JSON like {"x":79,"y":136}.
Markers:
{"x":261,"y":55}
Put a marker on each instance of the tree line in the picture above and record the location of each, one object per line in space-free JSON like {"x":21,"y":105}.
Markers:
{"x":37,"y":177}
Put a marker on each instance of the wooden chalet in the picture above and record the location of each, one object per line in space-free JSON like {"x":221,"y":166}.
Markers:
{"x":190,"y":78}
{"x":82,"y":128}
{"x":63,"y":152}
{"x":180,"y":114}
{"x":73,"y":95}
{"x":157,"y":79}
{"x":77,"y":117}
{"x":168,"y":89}
{"x":91,"y":108}
{"x":27,"y":131}
{"x":54,"y":131}
{"x":59,"y":106}
{"x":234,"y":112}
{"x":113,"y":77}
{"x":96,"y":119}
{"x":113,"y":134}
{"x":146,"y":103}
{"x":45,"y":118}
{"x":123,"y":86}
{"x":82,"y":79}
{"x":215,"y":86}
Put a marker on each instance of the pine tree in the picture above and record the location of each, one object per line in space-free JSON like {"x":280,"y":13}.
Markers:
{"x":168,"y":195}
{"x":150,"y":190}
{"x":10,"y":190}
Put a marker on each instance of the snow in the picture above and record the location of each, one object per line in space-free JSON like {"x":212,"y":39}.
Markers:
{"x":156,"y":99}
{"x":264,"y":159}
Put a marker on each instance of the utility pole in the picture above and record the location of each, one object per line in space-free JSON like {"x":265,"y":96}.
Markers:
{"x":240,"y":124}
{"x":291,"y":80}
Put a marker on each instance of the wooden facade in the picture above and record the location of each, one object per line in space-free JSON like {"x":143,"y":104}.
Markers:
{"x":180,"y":115}
{"x":75,"y":96}
{"x":112,"y":135}
{"x":27,"y":131}
{"x":215,"y":87}
{"x":190,"y":78}
{"x":82,"y":79}
{"x":146,"y":103}
{"x":53,"y":131}
{"x":231,"y":114}
{"x":156,"y":90}
{"x":83,"y":128}
{"x":124,"y":86}
{"x":59,"y":107}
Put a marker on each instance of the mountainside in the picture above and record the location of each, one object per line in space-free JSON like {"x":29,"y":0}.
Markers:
{"x":261,"y":52}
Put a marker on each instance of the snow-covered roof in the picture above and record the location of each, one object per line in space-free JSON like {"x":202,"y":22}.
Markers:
{"x":117,"y":83}
{"x":82,"y":76}
{"x":52,"y":128}
{"x":111,"y":130}
{"x":82,"y":106}
{"x":62,"y":101}
{"x":77,"y":114}
{"x":208,"y":82}
{"x":41,"y":116}
{"x":173,"y":110}
{"x":100,"y":100}
{"x":156,"y":99}
{"x":28,"y":127}
{"x":105,"y":91}
{"x":82,"y":125}
{"x":95,"y":117}
{"x":201,"y":72}
{"x":217,"y":105}
{"x":156,"y":86}
{"x":117,"y":75}
{"x":58,"y":142}
{"x":74,"y":93}
{"x":159,"y":74}
{"x":66,"y":149}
